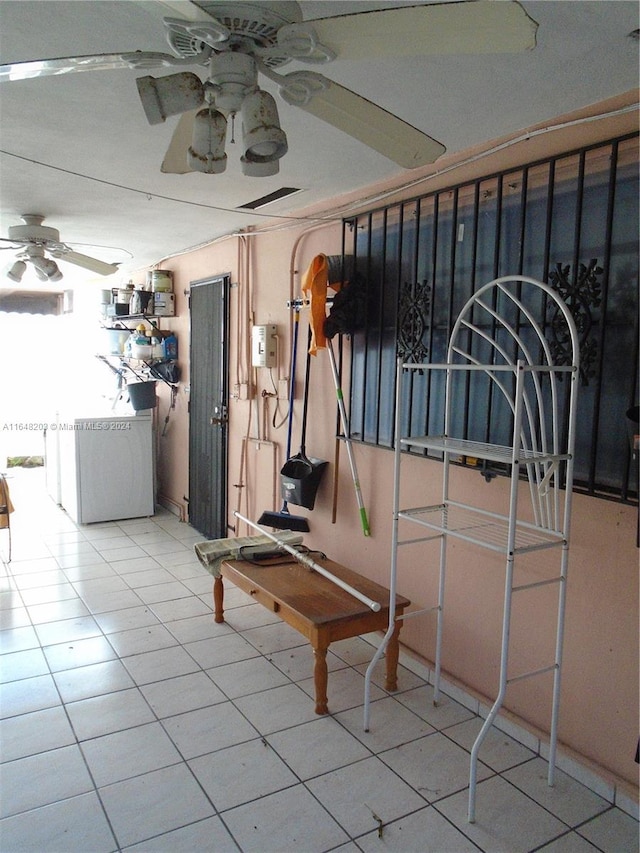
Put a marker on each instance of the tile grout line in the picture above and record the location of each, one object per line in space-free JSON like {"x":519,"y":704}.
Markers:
{"x":291,"y":681}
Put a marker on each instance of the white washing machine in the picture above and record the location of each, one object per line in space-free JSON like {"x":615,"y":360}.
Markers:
{"x":106,"y":467}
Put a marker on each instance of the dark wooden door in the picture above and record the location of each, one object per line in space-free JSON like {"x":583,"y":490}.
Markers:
{"x":209,"y":306}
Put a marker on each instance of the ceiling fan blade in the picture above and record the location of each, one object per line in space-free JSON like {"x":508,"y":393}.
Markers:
{"x":87,"y":263}
{"x":71,"y":64}
{"x":187,"y":9}
{"x":363,"y":120}
{"x":105,"y":61}
{"x":175,"y":160}
{"x":470,"y":26}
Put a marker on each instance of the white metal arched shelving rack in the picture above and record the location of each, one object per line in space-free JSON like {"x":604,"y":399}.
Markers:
{"x":500,"y":337}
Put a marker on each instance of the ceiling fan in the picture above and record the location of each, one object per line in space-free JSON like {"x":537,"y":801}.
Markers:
{"x":238,"y":41}
{"x":38,"y":245}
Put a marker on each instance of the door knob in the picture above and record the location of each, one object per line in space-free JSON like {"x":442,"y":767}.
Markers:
{"x":220,"y":416}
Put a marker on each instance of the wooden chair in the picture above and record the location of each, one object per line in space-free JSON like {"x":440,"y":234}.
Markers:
{"x":6,"y":508}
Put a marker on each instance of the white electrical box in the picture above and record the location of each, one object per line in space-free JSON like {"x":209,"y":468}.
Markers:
{"x":263,"y":345}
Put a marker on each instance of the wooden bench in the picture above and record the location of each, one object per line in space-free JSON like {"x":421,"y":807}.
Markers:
{"x":316,"y":607}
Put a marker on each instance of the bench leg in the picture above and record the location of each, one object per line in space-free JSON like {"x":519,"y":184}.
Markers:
{"x":320,"y":678}
{"x":391,"y":658}
{"x":218,"y":599}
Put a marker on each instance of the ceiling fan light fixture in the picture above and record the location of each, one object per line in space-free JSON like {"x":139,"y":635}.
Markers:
{"x":259,"y":170}
{"x":16,"y":271}
{"x":206,"y":152}
{"x":48,"y":268}
{"x":168,"y":96}
{"x":55,"y":274}
{"x":40,"y":274}
{"x":262,"y":137}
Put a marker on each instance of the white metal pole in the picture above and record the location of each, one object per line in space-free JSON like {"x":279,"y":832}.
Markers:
{"x":394,"y":551}
{"x":311,"y":564}
{"x":345,"y":428}
{"x":508,"y":590}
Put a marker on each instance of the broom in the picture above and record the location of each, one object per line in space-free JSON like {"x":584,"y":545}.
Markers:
{"x":346,"y":316}
{"x":284,"y":520}
{"x":345,"y":429}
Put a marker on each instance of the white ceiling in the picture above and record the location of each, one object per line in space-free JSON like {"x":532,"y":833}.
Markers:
{"x":78,"y":149}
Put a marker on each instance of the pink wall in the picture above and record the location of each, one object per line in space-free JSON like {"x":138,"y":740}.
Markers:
{"x":599,"y":715}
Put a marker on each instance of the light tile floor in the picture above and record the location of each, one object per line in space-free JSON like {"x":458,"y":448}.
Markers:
{"x":131,"y":721}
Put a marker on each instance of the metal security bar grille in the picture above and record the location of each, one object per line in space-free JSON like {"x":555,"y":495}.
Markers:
{"x":572,"y":222}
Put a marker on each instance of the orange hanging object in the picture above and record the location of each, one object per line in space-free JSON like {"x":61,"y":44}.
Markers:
{"x":314,"y":286}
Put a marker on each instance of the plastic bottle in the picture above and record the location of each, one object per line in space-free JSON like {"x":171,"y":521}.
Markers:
{"x":127,"y":345}
{"x":170,"y":347}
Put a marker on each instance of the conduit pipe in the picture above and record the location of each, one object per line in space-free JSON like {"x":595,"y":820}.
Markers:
{"x":292,"y":265}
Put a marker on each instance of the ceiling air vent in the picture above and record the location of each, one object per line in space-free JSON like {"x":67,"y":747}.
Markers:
{"x":283,"y":192}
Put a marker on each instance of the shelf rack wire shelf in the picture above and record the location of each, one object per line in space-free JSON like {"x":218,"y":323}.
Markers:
{"x":500,"y":337}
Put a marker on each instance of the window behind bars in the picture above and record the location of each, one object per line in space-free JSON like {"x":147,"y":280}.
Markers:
{"x":571,"y":221}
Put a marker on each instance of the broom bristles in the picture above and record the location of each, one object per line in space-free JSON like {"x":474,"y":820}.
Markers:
{"x":284,"y":521}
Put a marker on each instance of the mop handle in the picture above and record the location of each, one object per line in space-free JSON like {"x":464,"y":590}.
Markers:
{"x":305,"y":396}
{"x":311,"y":564}
{"x":345,"y":428}
{"x":292,"y":379}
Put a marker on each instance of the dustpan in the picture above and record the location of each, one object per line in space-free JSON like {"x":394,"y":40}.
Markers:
{"x":300,"y":478}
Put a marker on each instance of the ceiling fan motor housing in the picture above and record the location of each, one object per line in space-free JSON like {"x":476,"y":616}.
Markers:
{"x":231,"y":77}
{"x":32,"y":231}
{"x":249,"y":25}
{"x":259,"y":21}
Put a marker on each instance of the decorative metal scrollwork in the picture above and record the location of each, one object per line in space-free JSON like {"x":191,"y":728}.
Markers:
{"x":414,"y":304}
{"x":581,"y":297}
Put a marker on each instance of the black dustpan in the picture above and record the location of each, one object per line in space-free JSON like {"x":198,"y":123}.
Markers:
{"x":300,"y":478}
